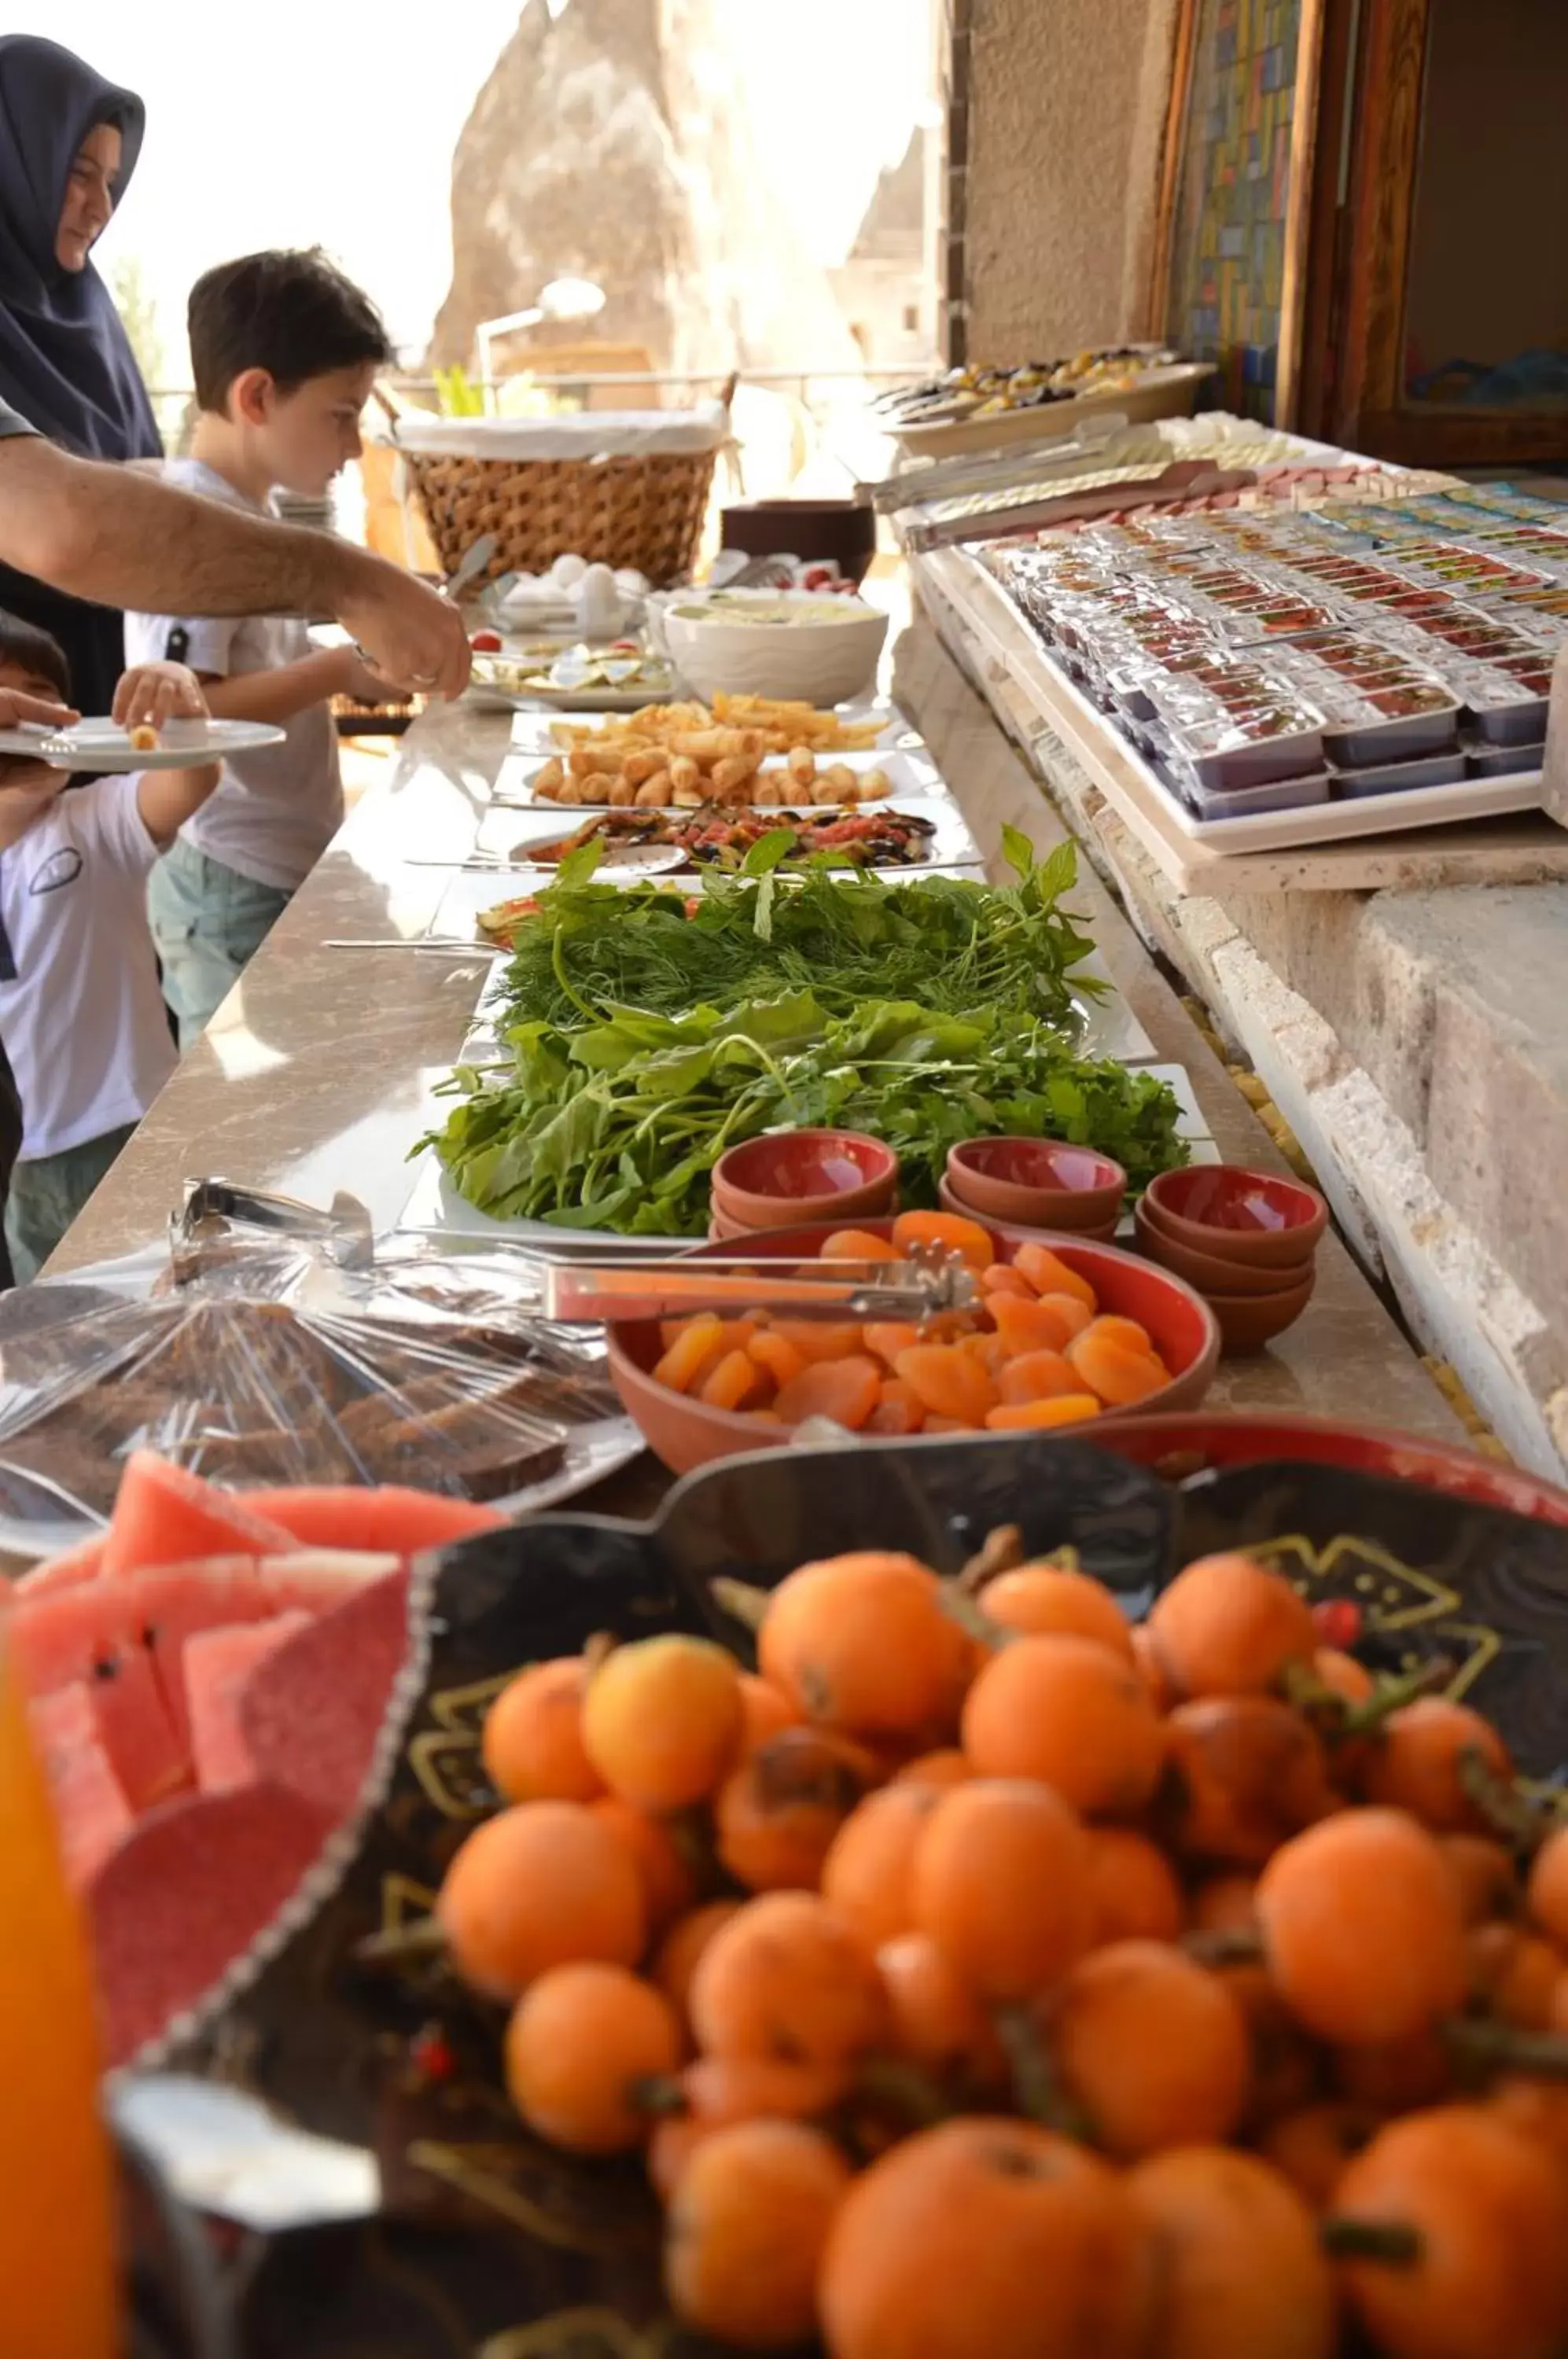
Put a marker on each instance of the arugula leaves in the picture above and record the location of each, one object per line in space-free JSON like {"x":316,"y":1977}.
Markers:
{"x":616,"y":1124}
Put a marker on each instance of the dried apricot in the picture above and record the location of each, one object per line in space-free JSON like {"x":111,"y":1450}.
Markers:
{"x":856,"y":1245}
{"x":776,"y":1356}
{"x":697,"y":1348}
{"x":1049,"y":1274}
{"x":885,"y":1338}
{"x":950,"y":1233}
{"x":899,"y":1410}
{"x":1044,"y":1416}
{"x":1118,"y":1375}
{"x":949,"y":1382}
{"x":1030,"y":1327}
{"x":845,"y":1390}
{"x":1038,"y":1375}
{"x":733,"y":1383}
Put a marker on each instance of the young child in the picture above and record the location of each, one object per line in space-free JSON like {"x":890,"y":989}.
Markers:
{"x":81,"y":1016}
{"x":285,"y":350}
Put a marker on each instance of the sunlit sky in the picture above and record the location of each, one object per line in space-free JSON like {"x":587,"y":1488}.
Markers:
{"x":338,"y":127}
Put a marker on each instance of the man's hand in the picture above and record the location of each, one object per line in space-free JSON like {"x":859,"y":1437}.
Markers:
{"x":409,"y":635}
{"x":151,"y":693}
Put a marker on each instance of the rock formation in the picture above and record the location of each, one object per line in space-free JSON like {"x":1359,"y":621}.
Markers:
{"x":612,"y":143}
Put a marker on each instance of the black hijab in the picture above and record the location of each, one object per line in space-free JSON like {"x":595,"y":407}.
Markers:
{"x":65,"y":359}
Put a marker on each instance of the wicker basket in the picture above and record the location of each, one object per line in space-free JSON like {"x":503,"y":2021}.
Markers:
{"x":645,"y":511}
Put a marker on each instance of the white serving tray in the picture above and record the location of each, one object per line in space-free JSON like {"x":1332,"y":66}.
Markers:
{"x":910,"y":773}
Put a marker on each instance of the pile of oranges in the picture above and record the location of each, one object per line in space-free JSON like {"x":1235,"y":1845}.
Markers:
{"x":985,"y":1978}
{"x":1036,"y":1352}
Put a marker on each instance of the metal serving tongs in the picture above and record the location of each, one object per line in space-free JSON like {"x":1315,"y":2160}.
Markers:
{"x":914,"y":1290}
{"x":344,"y":1233}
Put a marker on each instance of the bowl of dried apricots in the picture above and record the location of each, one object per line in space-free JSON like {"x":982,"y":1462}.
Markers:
{"x":1065,"y":1332}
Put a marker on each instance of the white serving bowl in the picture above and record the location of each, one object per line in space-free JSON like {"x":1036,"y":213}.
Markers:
{"x":717,"y":646}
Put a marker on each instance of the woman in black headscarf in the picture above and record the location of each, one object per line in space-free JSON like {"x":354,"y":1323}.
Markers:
{"x":69,"y":143}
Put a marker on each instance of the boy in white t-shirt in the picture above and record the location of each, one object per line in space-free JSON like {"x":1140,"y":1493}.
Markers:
{"x":81,"y":1016}
{"x":285,"y":350}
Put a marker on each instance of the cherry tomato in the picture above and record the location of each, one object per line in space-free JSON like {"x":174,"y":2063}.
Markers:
{"x":485,"y":643}
{"x":1338,"y":1622}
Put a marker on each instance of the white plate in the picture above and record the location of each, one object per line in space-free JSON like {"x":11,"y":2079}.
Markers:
{"x":533,"y":730}
{"x":101,"y":746}
{"x":908,"y":772}
{"x":508,"y":835}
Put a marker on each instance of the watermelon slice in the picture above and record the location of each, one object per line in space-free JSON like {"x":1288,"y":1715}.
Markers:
{"x":170,"y":1607}
{"x":83,"y":1562}
{"x":164,"y":1515}
{"x":91,"y":1808}
{"x":388,"y":1517}
{"x":89,"y":1636}
{"x":185,"y":1896}
{"x":217,"y":1663}
{"x":311,"y":1711}
{"x":314,"y":1579}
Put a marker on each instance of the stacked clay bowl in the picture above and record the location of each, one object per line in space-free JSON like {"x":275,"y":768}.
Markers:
{"x":1245,"y":1241}
{"x":788,"y":1176}
{"x":1036,"y":1183}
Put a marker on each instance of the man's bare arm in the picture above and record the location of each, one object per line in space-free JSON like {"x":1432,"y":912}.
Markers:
{"x":115,"y":536}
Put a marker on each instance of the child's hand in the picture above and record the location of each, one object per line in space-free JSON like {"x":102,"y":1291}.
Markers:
{"x":360,"y":684}
{"x":151,"y":693}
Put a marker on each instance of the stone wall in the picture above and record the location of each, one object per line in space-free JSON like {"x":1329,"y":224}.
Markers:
{"x":1066,"y":104}
{"x":613,"y":143}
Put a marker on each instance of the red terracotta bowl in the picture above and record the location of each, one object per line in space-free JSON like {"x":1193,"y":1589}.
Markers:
{"x":1189,"y":1443}
{"x":1039,"y":1183}
{"x":1218,"y":1208}
{"x":1213,"y":1277}
{"x":790,"y":1176}
{"x":686,"y":1433}
{"x":1059,"y":1223}
{"x":1247,"y":1322}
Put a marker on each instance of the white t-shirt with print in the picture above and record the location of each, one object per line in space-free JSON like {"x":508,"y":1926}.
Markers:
{"x":81,"y":1015}
{"x":276,"y":810}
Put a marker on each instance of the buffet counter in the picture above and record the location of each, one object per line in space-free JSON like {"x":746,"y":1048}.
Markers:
{"x":319,"y":1073}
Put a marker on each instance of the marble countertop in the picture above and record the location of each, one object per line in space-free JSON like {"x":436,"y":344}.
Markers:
{"x":320,"y":1070}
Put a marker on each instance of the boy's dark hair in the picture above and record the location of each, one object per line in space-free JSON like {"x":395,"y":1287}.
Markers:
{"x":24,"y":643}
{"x":291,"y":313}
